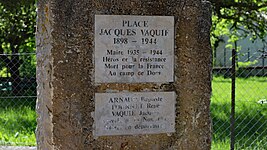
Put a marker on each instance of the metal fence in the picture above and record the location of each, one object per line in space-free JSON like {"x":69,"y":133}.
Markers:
{"x":239,"y":105}
{"x":17,"y":99}
{"x":246,"y":130}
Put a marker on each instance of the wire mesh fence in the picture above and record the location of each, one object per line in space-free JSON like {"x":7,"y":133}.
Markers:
{"x":18,"y":96}
{"x":248,"y":98}
{"x":17,"y":99}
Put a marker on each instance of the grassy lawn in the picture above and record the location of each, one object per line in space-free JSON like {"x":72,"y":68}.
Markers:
{"x":17,"y":123}
{"x":251,"y":117}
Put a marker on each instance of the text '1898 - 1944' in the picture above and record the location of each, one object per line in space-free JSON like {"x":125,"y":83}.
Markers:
{"x":134,"y":49}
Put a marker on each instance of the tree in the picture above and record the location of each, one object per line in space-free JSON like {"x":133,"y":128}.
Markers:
{"x":238,"y":19}
{"x":17,"y":30}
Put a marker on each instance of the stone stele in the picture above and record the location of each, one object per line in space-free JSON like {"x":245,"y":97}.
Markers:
{"x":67,"y":88}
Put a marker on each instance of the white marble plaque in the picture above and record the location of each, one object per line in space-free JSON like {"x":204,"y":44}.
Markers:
{"x":134,"y":113}
{"x":134,"y":49}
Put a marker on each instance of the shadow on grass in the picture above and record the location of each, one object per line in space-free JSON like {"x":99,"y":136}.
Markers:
{"x":17,"y":102}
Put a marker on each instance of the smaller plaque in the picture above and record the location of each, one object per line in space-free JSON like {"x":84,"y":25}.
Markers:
{"x":134,"y":113}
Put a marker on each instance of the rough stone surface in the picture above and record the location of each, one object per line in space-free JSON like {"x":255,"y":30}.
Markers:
{"x":65,"y":74}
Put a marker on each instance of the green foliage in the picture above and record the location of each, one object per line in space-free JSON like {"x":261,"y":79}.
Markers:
{"x":17,"y":35}
{"x":17,"y":25}
{"x":246,"y":64}
{"x":15,"y":4}
{"x":237,"y":19}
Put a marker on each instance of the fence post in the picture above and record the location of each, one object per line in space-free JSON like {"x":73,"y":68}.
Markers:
{"x":224,"y":57}
{"x":248,"y":54}
{"x":263,"y":62}
{"x":232,"y":118}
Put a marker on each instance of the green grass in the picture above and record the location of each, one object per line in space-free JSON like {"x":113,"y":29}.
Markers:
{"x":18,"y":118}
{"x":17,"y":122}
{"x":251,"y":117}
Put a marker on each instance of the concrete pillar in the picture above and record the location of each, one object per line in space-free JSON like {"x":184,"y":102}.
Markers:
{"x":66,"y":75}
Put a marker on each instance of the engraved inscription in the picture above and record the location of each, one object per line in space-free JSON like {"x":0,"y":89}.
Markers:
{"x":134,"y":113}
{"x":134,"y":49}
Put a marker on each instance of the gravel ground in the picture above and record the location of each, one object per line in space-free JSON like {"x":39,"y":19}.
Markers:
{"x":17,"y":148}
